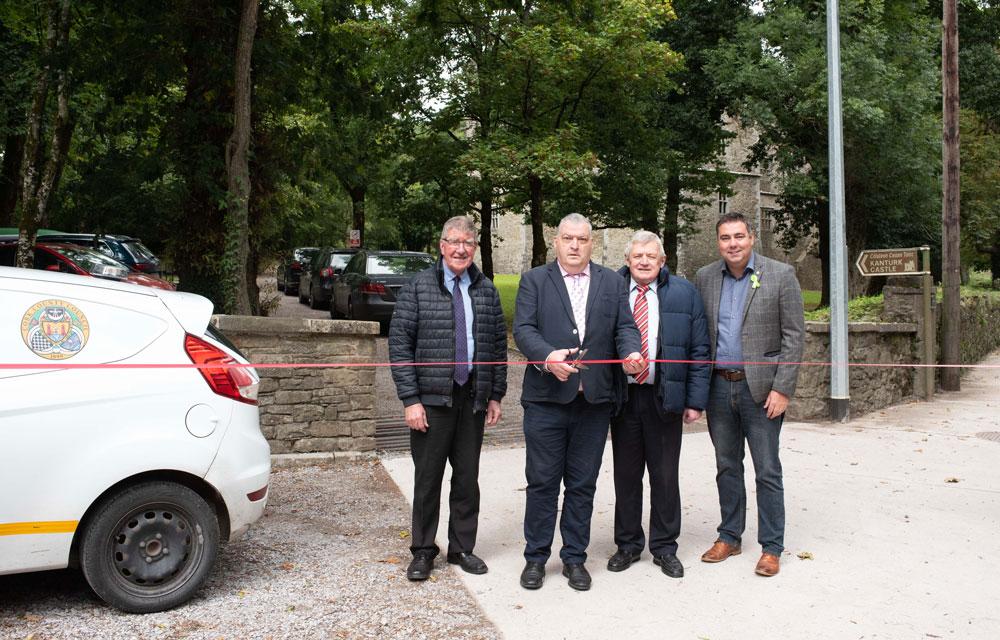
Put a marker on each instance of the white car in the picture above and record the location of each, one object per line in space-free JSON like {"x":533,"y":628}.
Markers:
{"x":136,"y":469}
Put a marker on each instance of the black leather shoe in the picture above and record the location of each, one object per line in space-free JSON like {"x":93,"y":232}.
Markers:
{"x":420,"y":567}
{"x":622,"y":560}
{"x":533,"y":575}
{"x":469,"y":562}
{"x":670,"y":565}
{"x":579,"y":579}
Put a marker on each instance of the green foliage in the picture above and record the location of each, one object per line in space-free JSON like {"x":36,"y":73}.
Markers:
{"x":507,"y":288}
{"x":860,"y":309}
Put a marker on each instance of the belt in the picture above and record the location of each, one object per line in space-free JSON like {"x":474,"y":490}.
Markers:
{"x":732,"y":375}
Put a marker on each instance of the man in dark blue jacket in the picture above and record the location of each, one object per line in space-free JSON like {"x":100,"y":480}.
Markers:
{"x":671,"y":318}
{"x":448,"y":314}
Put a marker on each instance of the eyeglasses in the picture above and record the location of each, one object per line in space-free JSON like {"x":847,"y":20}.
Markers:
{"x":468,"y":244}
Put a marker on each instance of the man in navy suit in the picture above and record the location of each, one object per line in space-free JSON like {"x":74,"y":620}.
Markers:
{"x":563,"y":307}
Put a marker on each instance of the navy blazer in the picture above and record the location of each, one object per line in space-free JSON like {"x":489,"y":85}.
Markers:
{"x":543,"y":323}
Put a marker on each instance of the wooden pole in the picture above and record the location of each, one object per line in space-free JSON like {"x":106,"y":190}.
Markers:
{"x":950,"y":242}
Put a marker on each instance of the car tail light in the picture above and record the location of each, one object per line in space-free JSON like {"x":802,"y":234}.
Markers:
{"x":326,"y":272}
{"x":231,"y":382}
{"x":373,"y":287}
{"x":296,"y":264}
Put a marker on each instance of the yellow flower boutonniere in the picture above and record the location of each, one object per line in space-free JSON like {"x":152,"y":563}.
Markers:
{"x":754,"y":281}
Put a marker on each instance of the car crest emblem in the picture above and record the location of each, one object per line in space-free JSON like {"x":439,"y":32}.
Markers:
{"x":55,"y":329}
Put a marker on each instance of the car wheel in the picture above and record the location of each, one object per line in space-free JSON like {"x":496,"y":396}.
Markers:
{"x":303,"y":297}
{"x":334,"y":314}
{"x":313,"y":302}
{"x":350,"y":309}
{"x":150,"y":547}
{"x":289,"y":290}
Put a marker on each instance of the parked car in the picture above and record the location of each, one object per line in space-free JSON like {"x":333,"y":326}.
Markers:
{"x":316,"y":281}
{"x":134,"y":475}
{"x":125,"y":249}
{"x":367,"y":288}
{"x":291,"y":267}
{"x":71,"y":258}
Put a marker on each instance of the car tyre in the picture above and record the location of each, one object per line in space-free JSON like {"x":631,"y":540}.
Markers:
{"x":303,"y":298}
{"x":350,"y":309}
{"x":334,"y":314}
{"x":313,"y":302}
{"x":149,"y":547}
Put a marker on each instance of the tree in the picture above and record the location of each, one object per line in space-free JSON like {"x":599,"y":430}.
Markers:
{"x":777,"y":66}
{"x":41,"y":169}
{"x":980,"y":191}
{"x":238,"y":171}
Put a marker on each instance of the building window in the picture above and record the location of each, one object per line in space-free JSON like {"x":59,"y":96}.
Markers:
{"x":496,"y":220}
{"x":723,"y":204}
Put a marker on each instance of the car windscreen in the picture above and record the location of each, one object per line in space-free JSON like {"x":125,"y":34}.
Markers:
{"x":305,"y":255}
{"x":397,"y":265}
{"x":87,"y":259}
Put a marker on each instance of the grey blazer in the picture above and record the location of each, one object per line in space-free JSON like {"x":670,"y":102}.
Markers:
{"x":543,"y":322}
{"x":773,"y":324}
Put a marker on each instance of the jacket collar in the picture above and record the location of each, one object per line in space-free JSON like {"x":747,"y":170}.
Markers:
{"x":475,"y":275}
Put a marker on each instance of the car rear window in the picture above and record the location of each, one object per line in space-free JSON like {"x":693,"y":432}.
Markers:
{"x":397,"y":265}
{"x":139,"y":251}
{"x":340,"y":260}
{"x":88,"y":259}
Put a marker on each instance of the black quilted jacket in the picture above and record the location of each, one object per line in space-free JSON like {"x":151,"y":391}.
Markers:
{"x":423,"y":330}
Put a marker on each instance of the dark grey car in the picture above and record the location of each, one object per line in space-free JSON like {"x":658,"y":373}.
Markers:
{"x":367,"y":288}
{"x":316,"y":281}
{"x":291,"y":267}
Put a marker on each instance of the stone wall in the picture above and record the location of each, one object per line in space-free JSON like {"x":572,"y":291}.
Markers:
{"x":871,"y":388}
{"x":311,"y":409}
{"x":980,"y":319}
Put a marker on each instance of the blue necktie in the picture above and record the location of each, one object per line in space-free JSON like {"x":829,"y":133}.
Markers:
{"x":461,"y":344}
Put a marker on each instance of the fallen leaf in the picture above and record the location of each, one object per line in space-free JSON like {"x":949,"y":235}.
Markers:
{"x":31,"y":617}
{"x":518,"y":606}
{"x":291,"y":607}
{"x":404,"y":534}
{"x":241,"y":593}
{"x":287,"y":566}
{"x":805,"y":555}
{"x":951,"y":479}
{"x":433,"y":579}
{"x":391,"y":560}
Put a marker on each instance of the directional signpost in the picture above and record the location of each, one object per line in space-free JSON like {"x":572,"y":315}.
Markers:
{"x":903,"y":262}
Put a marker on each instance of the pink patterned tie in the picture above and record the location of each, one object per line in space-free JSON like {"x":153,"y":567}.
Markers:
{"x":641,"y":314}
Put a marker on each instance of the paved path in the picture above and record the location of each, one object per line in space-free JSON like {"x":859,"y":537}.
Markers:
{"x":892,"y":518}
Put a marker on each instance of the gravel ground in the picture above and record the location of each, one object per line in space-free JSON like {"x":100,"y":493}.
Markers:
{"x":328,"y":560}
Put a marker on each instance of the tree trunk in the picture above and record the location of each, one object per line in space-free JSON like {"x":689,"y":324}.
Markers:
{"x":539,"y":252}
{"x":358,"y":210}
{"x":40,"y":173}
{"x":671,"y":220}
{"x":486,"y":233}
{"x":995,"y":264}
{"x":235,"y":261}
{"x":13,"y":155}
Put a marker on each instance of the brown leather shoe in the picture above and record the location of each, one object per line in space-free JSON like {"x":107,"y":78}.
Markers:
{"x":720,"y":551}
{"x":767,"y":566}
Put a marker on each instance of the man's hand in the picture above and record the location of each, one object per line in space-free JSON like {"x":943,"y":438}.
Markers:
{"x":775,"y":404}
{"x":493,"y":412}
{"x":416,"y":417}
{"x":634,"y":363}
{"x":555,"y":363}
{"x":690,"y":415}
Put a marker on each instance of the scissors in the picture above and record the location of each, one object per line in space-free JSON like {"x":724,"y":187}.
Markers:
{"x":576,"y":363}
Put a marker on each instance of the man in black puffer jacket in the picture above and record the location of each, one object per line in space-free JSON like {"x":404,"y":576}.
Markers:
{"x":671,"y":319}
{"x":451,"y":314}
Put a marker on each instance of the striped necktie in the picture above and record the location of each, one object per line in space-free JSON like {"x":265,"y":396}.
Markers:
{"x":641,"y":314}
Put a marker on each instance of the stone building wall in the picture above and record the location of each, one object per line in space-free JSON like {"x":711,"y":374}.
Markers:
{"x":311,"y":409}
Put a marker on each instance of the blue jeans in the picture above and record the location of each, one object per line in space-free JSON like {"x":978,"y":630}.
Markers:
{"x":732,"y":417}
{"x":564,"y":444}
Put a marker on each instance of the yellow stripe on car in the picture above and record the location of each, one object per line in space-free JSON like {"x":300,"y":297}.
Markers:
{"x":22,"y":528}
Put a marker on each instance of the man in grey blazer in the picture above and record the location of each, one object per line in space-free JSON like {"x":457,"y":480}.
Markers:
{"x":756,"y":327}
{"x":564,"y":308}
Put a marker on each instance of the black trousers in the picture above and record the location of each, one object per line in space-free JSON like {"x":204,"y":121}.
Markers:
{"x":455,"y":436}
{"x":644,"y":437}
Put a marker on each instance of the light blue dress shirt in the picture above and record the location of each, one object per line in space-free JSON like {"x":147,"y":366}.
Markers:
{"x":463,"y":284}
{"x":729,"y":342}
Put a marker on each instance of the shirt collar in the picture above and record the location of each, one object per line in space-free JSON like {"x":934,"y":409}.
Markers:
{"x":586,"y":270}
{"x":747,"y":270}
{"x":449,"y":275}
{"x":651,"y":285}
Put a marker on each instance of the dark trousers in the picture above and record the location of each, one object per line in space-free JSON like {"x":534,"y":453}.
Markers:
{"x":643,"y":437}
{"x":734,"y":417}
{"x":564,"y":445}
{"x":455,"y":435}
